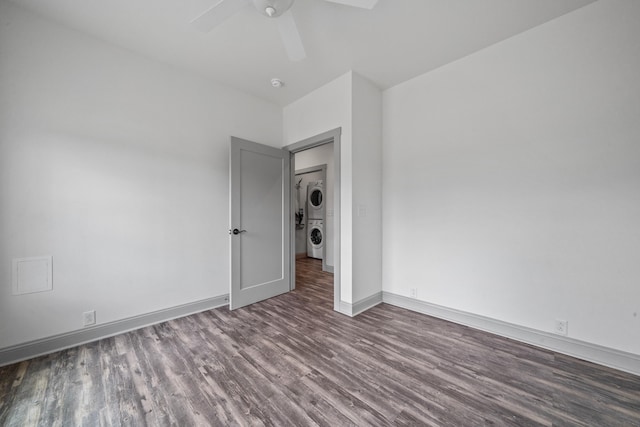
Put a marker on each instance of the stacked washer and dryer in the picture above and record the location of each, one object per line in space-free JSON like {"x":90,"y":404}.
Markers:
{"x":315,"y":221}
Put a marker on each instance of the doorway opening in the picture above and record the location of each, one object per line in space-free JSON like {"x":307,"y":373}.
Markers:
{"x":313,"y":206}
{"x":315,"y":202}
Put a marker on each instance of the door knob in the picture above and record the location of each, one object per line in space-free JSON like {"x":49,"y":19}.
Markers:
{"x":236,"y":231}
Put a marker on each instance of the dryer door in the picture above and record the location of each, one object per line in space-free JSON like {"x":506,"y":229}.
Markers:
{"x":316,"y":197}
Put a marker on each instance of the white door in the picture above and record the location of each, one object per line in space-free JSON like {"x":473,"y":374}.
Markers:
{"x":260,"y":222}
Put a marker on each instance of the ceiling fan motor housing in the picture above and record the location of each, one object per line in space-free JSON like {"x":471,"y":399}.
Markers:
{"x":272,"y":8}
{"x":280,"y":9}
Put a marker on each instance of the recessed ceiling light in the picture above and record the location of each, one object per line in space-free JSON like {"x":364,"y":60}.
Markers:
{"x":275,"y":82}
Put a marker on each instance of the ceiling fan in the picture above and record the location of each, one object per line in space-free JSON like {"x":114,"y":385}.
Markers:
{"x":277,"y":9}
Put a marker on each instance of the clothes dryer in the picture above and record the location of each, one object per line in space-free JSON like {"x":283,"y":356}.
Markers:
{"x":315,"y":200}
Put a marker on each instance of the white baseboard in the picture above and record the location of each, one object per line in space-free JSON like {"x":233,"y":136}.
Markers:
{"x":328,"y":268}
{"x":20,"y":352}
{"x":612,"y":358}
{"x":358,"y":307}
{"x":345,"y":308}
{"x":617,"y":359}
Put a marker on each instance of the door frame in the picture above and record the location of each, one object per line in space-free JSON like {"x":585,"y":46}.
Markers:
{"x":331,"y":136}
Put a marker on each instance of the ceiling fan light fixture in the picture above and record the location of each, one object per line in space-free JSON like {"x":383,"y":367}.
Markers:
{"x":272,"y":8}
{"x":280,"y":9}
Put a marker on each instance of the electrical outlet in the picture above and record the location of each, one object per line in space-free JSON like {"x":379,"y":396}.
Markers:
{"x":562,"y":327}
{"x":413,"y":293}
{"x":89,"y":318}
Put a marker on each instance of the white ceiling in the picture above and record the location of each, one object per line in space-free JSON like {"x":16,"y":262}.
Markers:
{"x":394,"y":42}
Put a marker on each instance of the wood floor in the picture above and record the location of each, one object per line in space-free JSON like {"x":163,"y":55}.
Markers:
{"x":293,"y":361}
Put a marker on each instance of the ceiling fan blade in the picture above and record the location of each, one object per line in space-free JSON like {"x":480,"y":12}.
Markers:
{"x":217,"y":14}
{"x":364,"y":4}
{"x":290,"y":36}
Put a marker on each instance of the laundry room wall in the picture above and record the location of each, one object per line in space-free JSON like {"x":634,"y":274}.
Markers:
{"x":314,"y":157}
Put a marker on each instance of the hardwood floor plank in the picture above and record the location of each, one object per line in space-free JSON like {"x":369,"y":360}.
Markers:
{"x":293,"y":361}
{"x":109,"y":414}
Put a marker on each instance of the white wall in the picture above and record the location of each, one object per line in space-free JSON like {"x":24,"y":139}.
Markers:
{"x":354,"y":104}
{"x":326,"y":108}
{"x":118,"y":167}
{"x":367,"y":188}
{"x":511,"y":180}
{"x":322,"y":155}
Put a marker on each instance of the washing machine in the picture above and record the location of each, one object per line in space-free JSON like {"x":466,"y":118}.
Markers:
{"x":315,"y":200}
{"x":315,"y":238}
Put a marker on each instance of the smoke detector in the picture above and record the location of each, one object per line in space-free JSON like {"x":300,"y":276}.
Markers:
{"x":275,"y":82}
